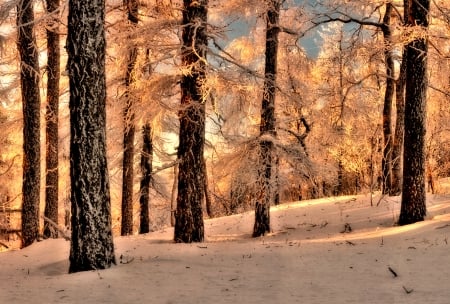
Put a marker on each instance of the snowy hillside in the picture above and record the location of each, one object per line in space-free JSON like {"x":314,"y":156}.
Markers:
{"x":338,"y":250}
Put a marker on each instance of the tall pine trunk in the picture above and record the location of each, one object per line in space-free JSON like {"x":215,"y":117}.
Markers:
{"x":189,"y":225}
{"x":146,"y":169}
{"x":92,"y":242}
{"x":388,"y":97}
{"x":31,"y":103}
{"x":267,"y":126}
{"x":129,"y":129}
{"x":51,"y":119}
{"x":413,"y":206}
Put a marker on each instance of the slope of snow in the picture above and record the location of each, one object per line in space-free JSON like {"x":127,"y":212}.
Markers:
{"x":338,"y":250}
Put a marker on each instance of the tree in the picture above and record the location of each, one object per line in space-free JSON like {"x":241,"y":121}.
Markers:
{"x":146,"y":168}
{"x":29,"y":81}
{"x":92,"y":242}
{"x":51,"y":118}
{"x":189,"y":225}
{"x":413,"y":205}
{"x":129,"y":129}
{"x":267,"y":124}
{"x":388,"y":98}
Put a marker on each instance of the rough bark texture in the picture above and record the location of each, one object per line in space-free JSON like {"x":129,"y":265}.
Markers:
{"x":413,"y":207}
{"x":92,"y":242}
{"x":29,"y":81}
{"x":388,"y":97}
{"x":129,"y":130}
{"x":51,"y":119}
{"x":146,"y":169}
{"x":189,"y":225}
{"x":267,"y":127}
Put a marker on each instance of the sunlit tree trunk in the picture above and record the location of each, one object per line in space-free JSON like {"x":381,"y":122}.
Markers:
{"x":129,"y":129}
{"x":388,"y":97}
{"x":146,"y":169}
{"x":397,"y":149}
{"x":267,"y":126}
{"x":189,"y":225}
{"x":29,"y":81}
{"x":92,"y":245}
{"x":413,"y":207}
{"x":51,"y":119}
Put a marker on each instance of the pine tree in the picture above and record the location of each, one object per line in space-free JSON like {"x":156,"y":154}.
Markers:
{"x":189,"y":225}
{"x":29,"y":81}
{"x":129,"y":129}
{"x":267,"y":125}
{"x":92,"y":242}
{"x":413,"y":207}
{"x":51,"y":118}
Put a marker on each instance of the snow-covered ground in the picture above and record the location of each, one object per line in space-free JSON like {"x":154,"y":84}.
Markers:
{"x":335,"y":250}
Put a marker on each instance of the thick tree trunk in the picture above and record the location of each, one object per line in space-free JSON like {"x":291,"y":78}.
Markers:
{"x":146,"y":169}
{"x":129,"y":129}
{"x":267,"y":127}
{"x":413,"y":208}
{"x":92,"y":242}
{"x":29,"y":81}
{"x":387,"y":106}
{"x":51,"y":119}
{"x":189,"y":225}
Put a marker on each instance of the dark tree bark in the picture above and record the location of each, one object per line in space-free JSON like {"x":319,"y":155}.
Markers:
{"x":92,"y":242}
{"x":146,"y":169}
{"x":29,"y":81}
{"x":387,"y":105}
{"x":413,"y":206}
{"x":129,"y":129}
{"x":189,"y":225}
{"x":397,"y":149}
{"x":51,"y":119}
{"x":267,"y":126}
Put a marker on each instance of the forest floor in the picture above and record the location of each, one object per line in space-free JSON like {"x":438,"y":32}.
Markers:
{"x":333,"y":250}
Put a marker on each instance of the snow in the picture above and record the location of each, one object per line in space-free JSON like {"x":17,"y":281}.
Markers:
{"x":311,"y":257}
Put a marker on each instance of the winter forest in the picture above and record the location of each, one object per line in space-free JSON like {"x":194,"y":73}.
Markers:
{"x":124,"y":118}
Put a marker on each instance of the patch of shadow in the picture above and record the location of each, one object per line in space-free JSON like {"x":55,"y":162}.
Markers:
{"x":55,"y":269}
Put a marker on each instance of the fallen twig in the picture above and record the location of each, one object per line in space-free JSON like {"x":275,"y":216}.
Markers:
{"x":408,"y":291}
{"x":393,"y":272}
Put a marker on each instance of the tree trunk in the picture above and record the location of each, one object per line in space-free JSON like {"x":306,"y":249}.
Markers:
{"x":189,"y":225}
{"x":208,"y":201}
{"x":397,"y":149}
{"x":413,"y":206}
{"x":92,"y":245}
{"x":146,"y":169}
{"x":129,"y":130}
{"x":267,"y":127}
{"x":29,"y":81}
{"x":388,"y":97}
{"x":51,"y":119}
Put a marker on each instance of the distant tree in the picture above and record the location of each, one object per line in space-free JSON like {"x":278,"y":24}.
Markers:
{"x":388,"y":99}
{"x":413,"y":206}
{"x":397,"y":148}
{"x":29,"y":81}
{"x":146,"y":169}
{"x":92,"y":242}
{"x":189,"y":225}
{"x":51,"y":119}
{"x":129,"y":128}
{"x":267,"y":124}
